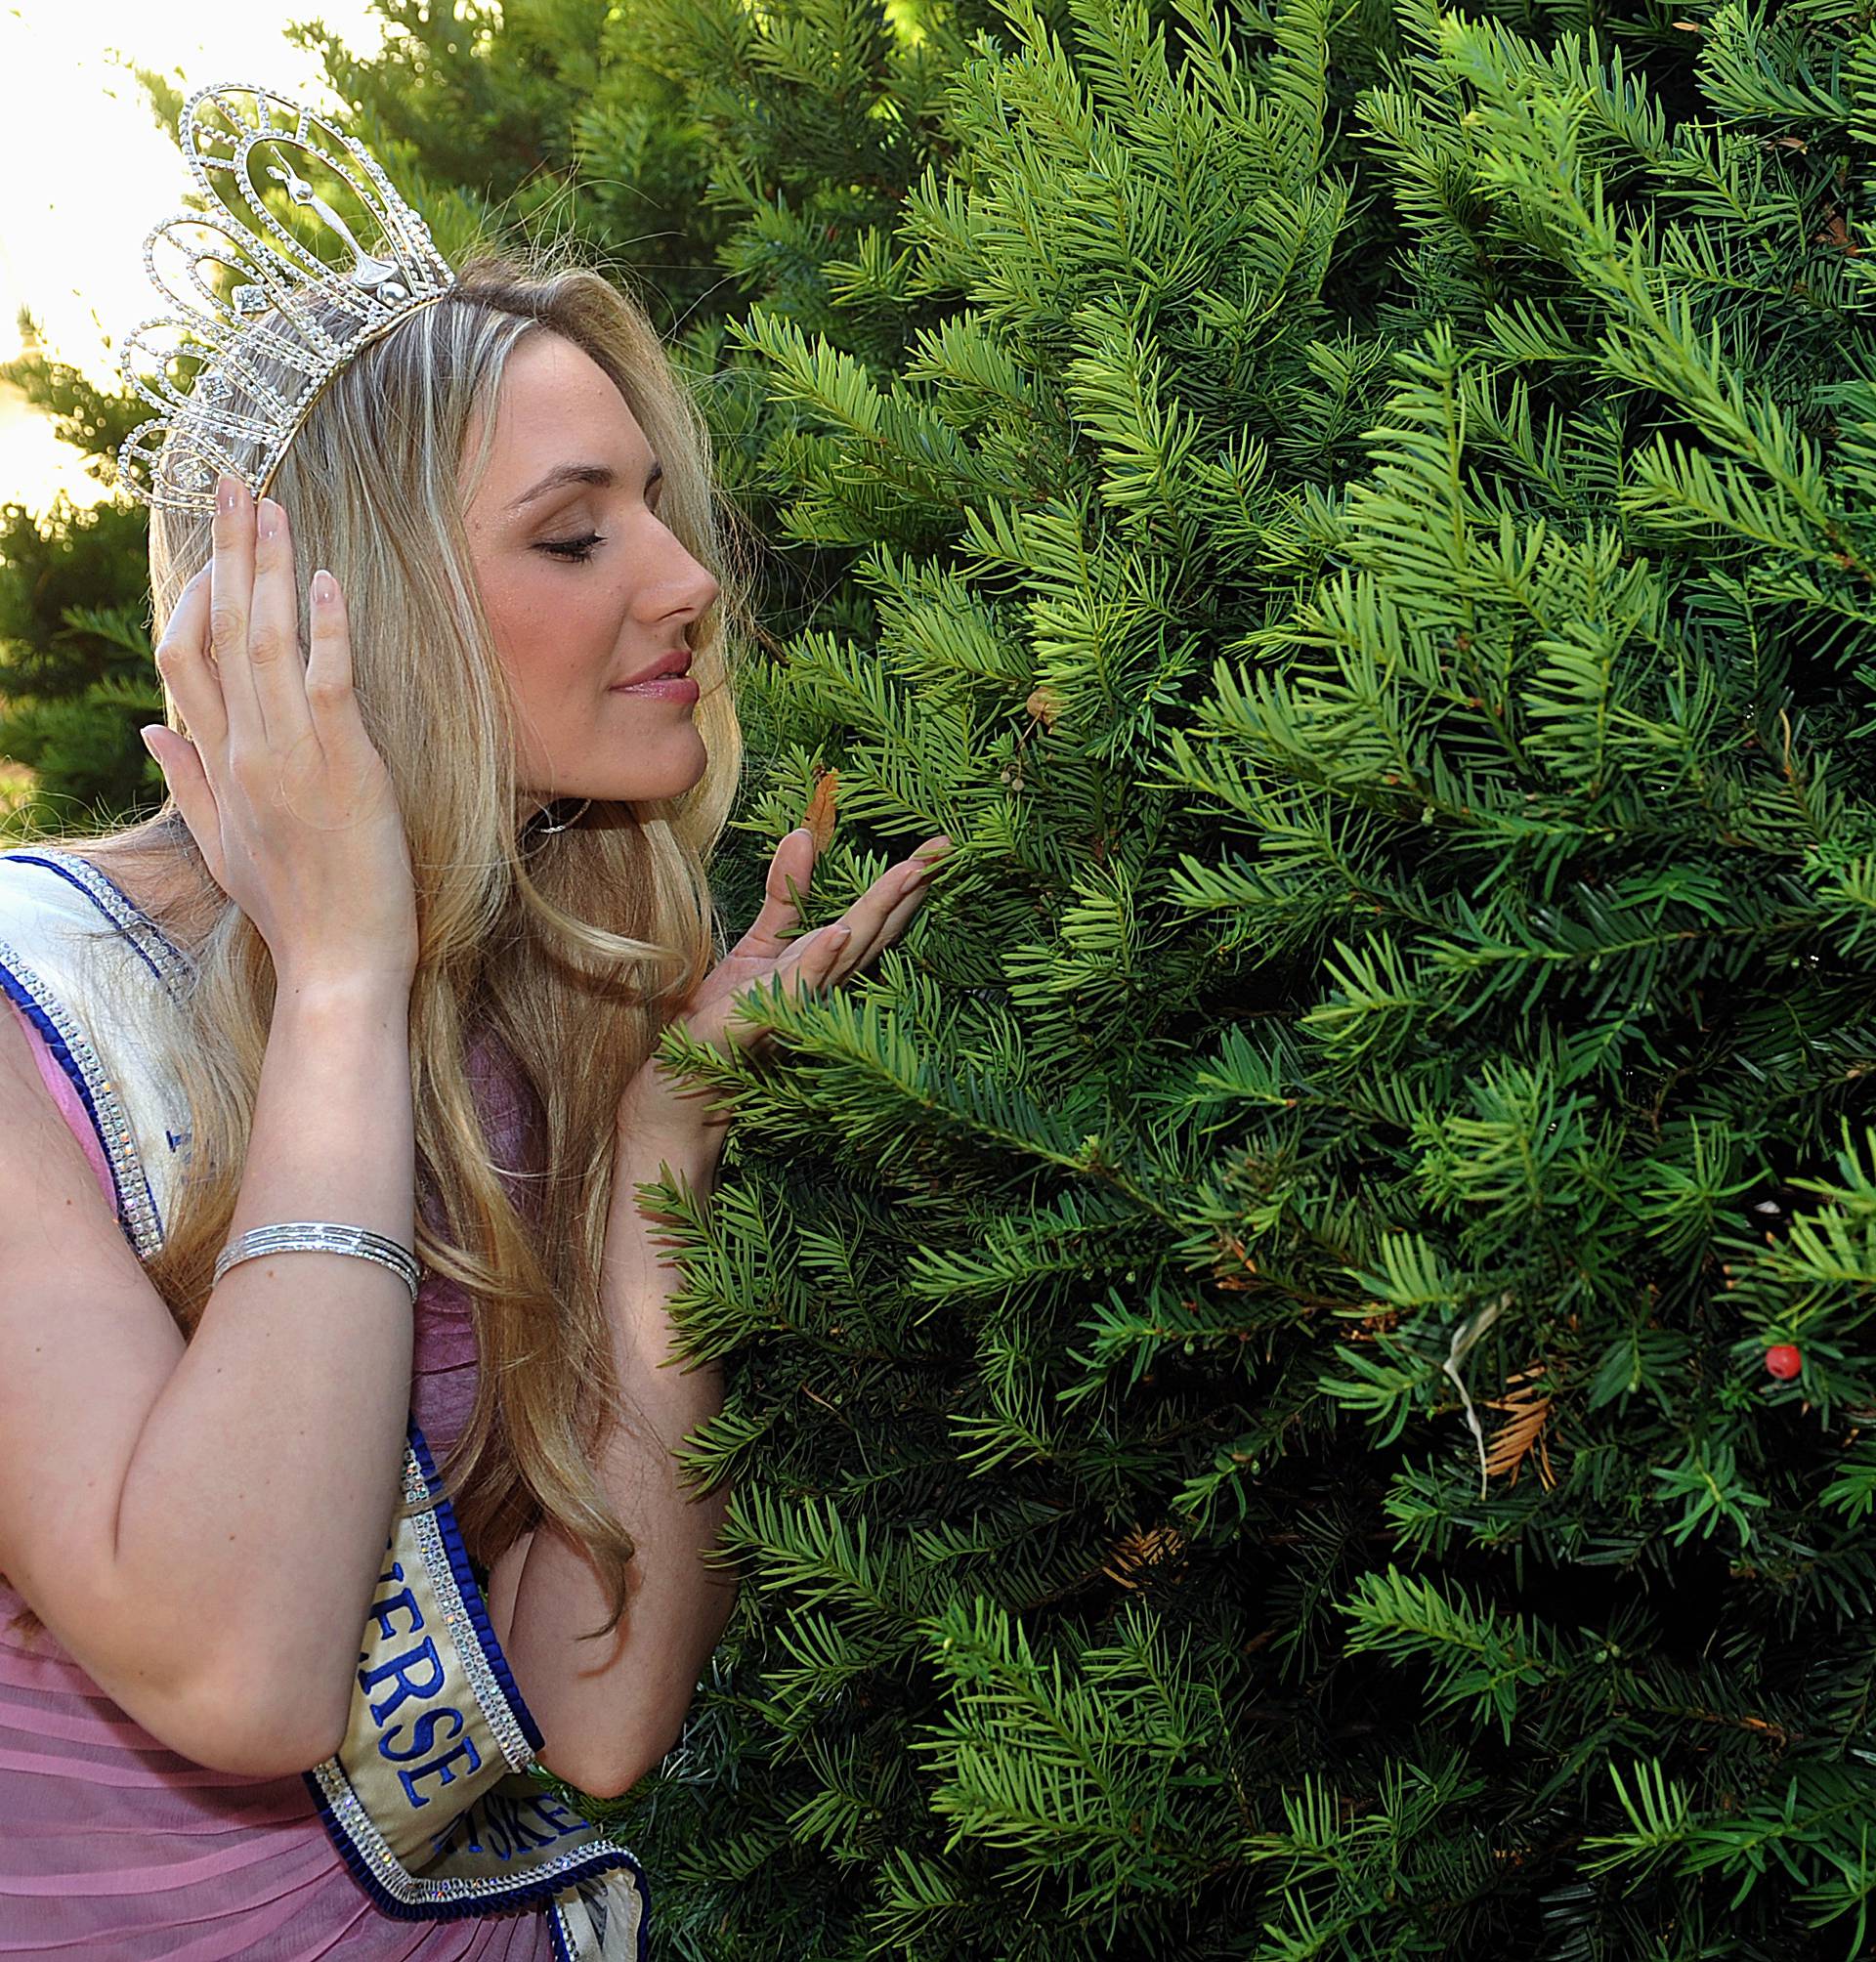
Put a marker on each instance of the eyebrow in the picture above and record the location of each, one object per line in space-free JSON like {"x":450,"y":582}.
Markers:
{"x":598,"y":473}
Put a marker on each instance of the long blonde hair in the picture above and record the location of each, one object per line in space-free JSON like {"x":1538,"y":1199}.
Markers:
{"x":572,"y":949}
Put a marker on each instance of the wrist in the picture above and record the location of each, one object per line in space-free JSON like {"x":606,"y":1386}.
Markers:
{"x":318,"y":992}
{"x":640,"y":1149}
{"x":654,"y":1122}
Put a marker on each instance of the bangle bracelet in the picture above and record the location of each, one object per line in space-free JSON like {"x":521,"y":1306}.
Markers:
{"x":322,"y":1236}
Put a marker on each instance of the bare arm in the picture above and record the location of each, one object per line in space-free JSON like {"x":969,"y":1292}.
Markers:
{"x":201,"y":1525}
{"x":609,"y":1710}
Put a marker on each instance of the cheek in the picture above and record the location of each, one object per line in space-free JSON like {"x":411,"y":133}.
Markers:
{"x":550,"y":628}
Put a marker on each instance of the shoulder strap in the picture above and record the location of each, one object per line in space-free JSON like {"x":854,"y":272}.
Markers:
{"x":84,"y":966}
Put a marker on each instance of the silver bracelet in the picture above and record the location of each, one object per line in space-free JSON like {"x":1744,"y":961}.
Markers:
{"x":322,"y":1236}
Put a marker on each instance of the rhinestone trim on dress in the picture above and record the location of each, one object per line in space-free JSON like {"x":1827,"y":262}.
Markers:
{"x":515,"y":1747}
{"x":135,"y":1201}
{"x":420,"y":1890}
{"x":171,"y":965}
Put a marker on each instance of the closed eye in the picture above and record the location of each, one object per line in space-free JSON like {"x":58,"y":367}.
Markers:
{"x":574,"y":550}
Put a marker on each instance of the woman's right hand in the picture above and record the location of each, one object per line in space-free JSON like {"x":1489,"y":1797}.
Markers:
{"x":282,"y":790}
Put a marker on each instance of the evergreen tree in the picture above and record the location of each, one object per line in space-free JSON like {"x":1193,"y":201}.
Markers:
{"x":77,"y":679}
{"x":1299,"y":1358}
{"x":1302,"y":1371}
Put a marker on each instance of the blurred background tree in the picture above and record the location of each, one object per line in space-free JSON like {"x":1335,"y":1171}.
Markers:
{"x":76,"y":680}
{"x":696,"y":157}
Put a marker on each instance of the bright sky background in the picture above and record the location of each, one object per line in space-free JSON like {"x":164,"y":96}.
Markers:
{"x":88,"y":172}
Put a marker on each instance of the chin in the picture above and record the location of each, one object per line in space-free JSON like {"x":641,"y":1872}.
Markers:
{"x":652,"y":778}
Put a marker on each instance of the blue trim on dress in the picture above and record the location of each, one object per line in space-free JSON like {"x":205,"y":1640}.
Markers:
{"x":557,"y":1927}
{"x":605,"y":1856}
{"x":471,"y":1593}
{"x":24,"y":999}
{"x":71,"y":878}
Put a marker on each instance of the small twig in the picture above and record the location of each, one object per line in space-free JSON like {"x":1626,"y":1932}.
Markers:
{"x":1464,"y":1337}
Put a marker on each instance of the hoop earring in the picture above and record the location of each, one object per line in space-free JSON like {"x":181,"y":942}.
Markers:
{"x":585,"y":805}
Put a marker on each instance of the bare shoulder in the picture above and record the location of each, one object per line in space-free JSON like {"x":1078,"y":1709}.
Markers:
{"x":85,"y":1342}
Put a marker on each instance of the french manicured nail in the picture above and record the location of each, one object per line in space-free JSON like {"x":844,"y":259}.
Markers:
{"x":144,"y":737}
{"x":228,"y":492}
{"x":326,"y":588}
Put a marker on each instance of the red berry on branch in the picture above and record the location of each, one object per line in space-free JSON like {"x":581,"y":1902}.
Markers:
{"x":1783,"y":1360}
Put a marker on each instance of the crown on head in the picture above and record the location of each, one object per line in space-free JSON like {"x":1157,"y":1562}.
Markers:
{"x":295,"y":321}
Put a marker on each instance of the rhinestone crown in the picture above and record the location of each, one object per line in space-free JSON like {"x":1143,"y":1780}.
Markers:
{"x":295,"y":321}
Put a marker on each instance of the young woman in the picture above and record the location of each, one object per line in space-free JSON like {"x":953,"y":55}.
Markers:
{"x":348,"y":988}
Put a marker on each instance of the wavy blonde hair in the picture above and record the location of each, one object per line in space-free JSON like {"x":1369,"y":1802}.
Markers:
{"x":574,"y":945}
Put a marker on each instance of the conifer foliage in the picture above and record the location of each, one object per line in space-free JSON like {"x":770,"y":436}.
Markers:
{"x":1301,"y":1353}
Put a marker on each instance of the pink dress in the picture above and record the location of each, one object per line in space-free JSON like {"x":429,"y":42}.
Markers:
{"x":113,"y":1849}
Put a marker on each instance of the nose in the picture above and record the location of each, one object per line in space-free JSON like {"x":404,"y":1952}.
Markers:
{"x":696,"y":582}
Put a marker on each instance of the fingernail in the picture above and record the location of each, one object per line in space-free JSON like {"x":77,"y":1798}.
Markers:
{"x":326,"y":588}
{"x":148,"y":742}
{"x":228,"y":492}
{"x":838,"y":936}
{"x":269,"y":518}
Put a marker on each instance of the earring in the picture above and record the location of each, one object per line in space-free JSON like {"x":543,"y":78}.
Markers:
{"x":585,"y":804}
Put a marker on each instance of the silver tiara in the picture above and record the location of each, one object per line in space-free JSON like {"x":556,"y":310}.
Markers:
{"x":295,"y":321}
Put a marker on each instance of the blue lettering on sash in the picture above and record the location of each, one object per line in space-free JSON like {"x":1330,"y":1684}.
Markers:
{"x":507,"y":1819}
{"x":423,"y":1734}
{"x":404,"y":1667}
{"x":409,"y":1779}
{"x":383,"y":1610}
{"x":556,"y":1815}
{"x":419,"y":1674}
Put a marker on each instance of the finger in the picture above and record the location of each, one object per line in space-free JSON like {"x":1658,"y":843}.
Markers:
{"x":181,"y":660}
{"x":854,"y":954}
{"x":187,"y":784}
{"x":330,"y":697}
{"x":878,"y":910}
{"x":230,"y":604}
{"x":811,"y":960}
{"x":789,"y":870}
{"x":273,"y":632}
{"x":774,"y":925}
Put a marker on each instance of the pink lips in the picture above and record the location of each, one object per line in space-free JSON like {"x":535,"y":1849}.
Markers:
{"x":665,"y":676}
{"x":667,"y":687}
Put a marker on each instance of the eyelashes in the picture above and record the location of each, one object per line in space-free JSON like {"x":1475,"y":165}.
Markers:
{"x":575,"y":551}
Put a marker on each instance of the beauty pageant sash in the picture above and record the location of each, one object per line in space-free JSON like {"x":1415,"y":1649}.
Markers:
{"x":432,"y":1799}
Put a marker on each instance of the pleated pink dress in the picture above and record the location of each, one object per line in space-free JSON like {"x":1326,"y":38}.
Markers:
{"x":113,"y":1849}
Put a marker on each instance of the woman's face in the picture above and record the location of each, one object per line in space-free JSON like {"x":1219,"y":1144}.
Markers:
{"x":572,"y":628}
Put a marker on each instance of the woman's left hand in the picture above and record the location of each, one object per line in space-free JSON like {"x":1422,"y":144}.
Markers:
{"x":669,"y":1118}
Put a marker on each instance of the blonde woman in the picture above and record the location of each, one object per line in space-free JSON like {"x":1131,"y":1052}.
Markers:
{"x":380,"y":980}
